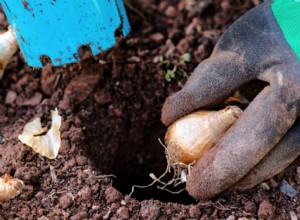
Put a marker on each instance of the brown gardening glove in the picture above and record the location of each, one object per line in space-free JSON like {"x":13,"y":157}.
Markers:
{"x":266,"y":138}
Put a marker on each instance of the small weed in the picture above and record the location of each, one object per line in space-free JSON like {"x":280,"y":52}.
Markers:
{"x":186,"y":57}
{"x":184,"y":74}
{"x":177,"y":67}
{"x":170,"y":74}
{"x":164,"y":61}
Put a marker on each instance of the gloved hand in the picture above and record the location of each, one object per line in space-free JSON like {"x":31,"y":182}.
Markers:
{"x":263,"y":44}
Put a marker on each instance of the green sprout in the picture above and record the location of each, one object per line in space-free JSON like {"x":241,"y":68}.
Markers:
{"x":178,"y":69}
{"x":185,"y":74}
{"x":170,"y":74}
{"x":163,"y":61}
{"x":186,"y":57}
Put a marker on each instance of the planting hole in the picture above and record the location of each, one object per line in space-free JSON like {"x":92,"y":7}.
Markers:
{"x":148,"y":157}
{"x":133,"y":160}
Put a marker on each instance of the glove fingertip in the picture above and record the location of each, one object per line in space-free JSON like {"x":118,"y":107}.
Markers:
{"x":166,"y":111}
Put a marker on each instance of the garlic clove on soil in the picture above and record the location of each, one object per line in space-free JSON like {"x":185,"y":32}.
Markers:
{"x":190,"y":137}
{"x":8,"y":47}
{"x":34,"y":136}
{"x":10,"y":187}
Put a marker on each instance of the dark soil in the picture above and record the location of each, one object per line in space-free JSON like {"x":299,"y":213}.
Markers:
{"x":111,"y":122}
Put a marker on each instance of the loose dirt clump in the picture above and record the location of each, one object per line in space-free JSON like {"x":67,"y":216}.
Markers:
{"x":111,"y":109}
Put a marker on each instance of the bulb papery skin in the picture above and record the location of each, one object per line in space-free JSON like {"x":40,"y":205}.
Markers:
{"x":10,"y":187}
{"x":8,"y":47}
{"x":190,"y":137}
